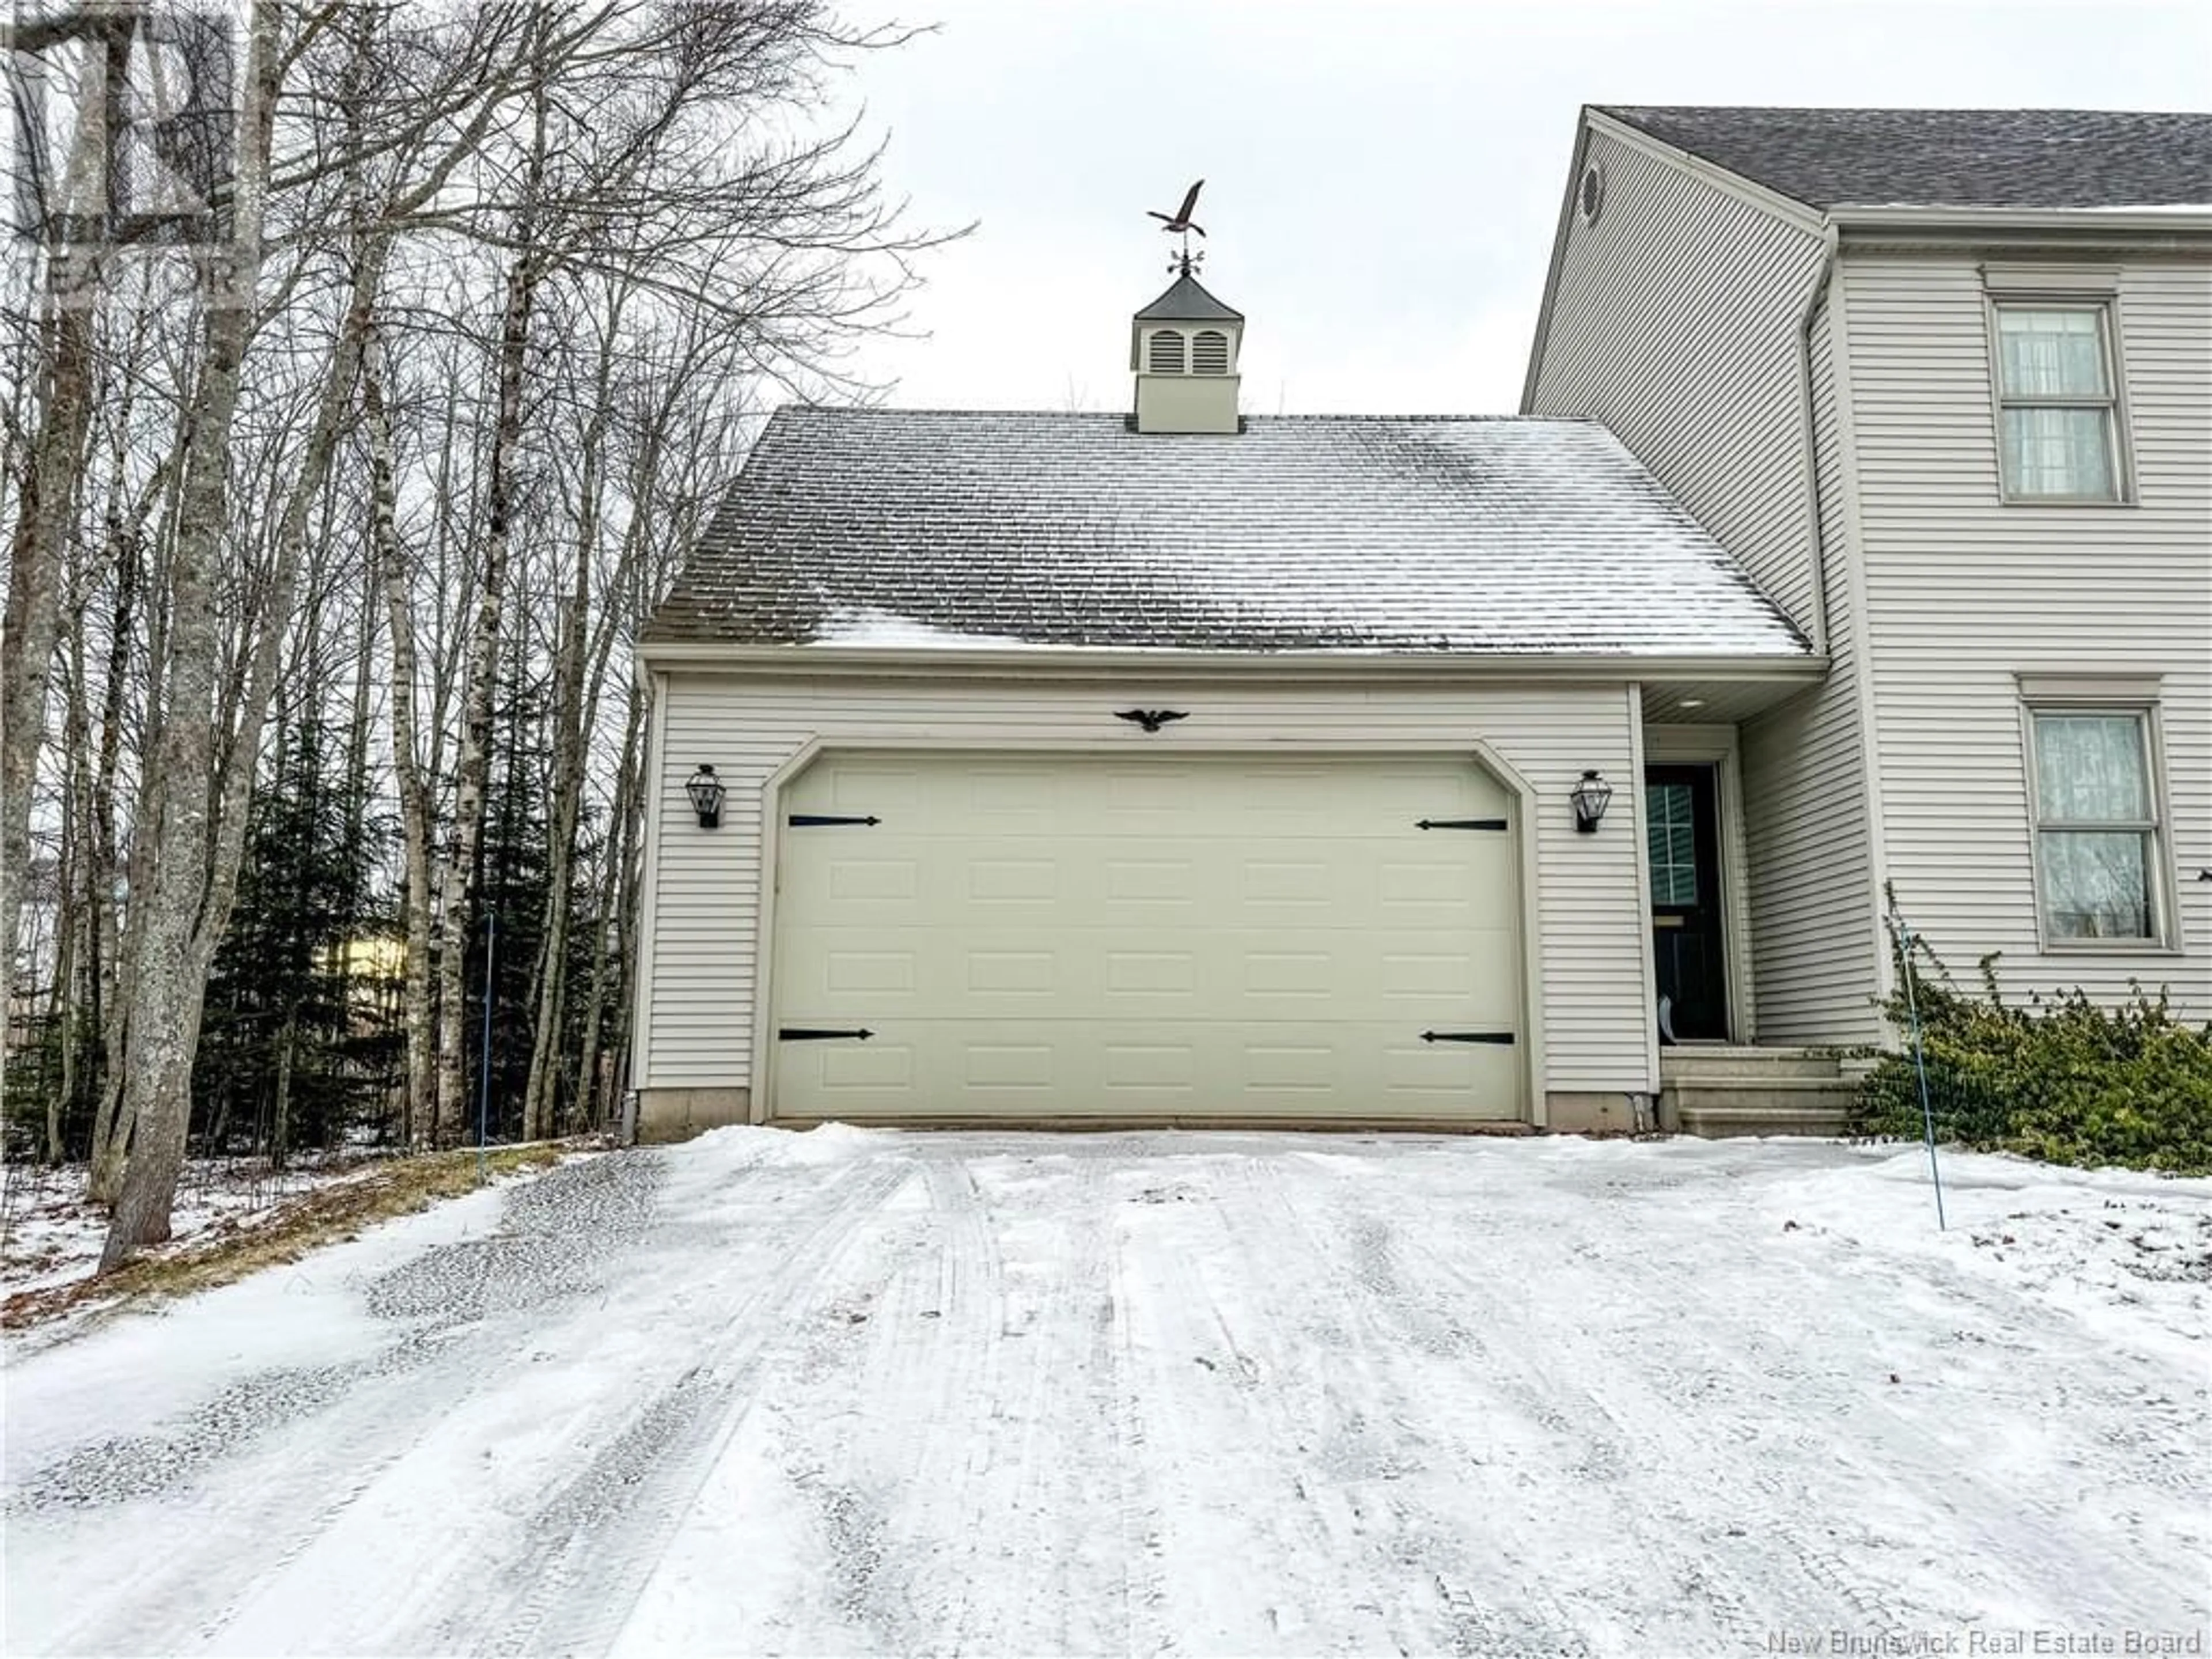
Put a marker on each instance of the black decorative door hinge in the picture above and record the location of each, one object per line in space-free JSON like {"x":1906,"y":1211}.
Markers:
{"x":815,"y":1034}
{"x":1461,"y":824}
{"x":1467,"y":1037}
{"x":1152,"y":719}
{"x":816,"y":820}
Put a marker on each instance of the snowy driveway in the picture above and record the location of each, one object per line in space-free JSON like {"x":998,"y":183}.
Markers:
{"x":1242,"y":1393}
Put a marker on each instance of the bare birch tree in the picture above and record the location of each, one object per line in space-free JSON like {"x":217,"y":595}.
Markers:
{"x":499,"y":291}
{"x":178,"y":807}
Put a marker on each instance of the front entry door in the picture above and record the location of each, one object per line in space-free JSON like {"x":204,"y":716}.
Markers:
{"x":1682,"y":831}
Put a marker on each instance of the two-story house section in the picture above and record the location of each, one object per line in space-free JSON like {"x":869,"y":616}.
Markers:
{"x":1941,"y":381}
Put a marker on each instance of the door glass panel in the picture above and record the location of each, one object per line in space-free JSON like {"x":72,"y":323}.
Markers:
{"x":1671,"y":838}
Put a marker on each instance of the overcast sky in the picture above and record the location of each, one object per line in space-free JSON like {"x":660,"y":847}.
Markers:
{"x":1382,"y":177}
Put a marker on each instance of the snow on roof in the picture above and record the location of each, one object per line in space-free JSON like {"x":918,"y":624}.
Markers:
{"x":867,"y":625}
{"x":1421,"y":535}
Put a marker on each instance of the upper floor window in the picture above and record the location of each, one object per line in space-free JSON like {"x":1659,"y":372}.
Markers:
{"x":1164,"y":354}
{"x":1209,"y":352}
{"x":2058,"y":414}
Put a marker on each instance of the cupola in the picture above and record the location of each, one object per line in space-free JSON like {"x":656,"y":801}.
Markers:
{"x":1183,"y":349}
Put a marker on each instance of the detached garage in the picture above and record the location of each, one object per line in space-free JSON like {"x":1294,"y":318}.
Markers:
{"x":1183,"y":768}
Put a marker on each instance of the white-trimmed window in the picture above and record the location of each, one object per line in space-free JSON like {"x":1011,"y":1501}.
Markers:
{"x":1209,"y":352}
{"x":1164,"y":354}
{"x":2097,"y":829}
{"x":2058,"y":428}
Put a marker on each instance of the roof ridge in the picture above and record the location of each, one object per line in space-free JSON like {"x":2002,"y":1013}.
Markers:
{"x":1957,"y":160}
{"x":1121,"y":416}
{"x":1906,"y":109}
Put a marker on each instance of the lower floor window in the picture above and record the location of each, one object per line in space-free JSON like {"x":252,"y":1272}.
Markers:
{"x":2097,"y":824}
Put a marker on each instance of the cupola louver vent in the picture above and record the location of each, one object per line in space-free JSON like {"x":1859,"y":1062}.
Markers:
{"x":1183,"y":349}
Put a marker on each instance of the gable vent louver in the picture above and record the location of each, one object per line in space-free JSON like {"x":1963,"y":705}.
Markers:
{"x":1209,"y":352}
{"x":1164,"y":355}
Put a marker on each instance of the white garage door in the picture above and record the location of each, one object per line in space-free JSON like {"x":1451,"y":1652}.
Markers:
{"x":1192,"y":938}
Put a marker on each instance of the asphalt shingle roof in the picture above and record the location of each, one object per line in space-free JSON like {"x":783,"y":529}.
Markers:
{"x":1186,"y":302}
{"x":1417,"y":534}
{"x":1988,"y":158}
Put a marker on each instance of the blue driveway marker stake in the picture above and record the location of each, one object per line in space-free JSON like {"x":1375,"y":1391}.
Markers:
{"x":1920,"y":1066}
{"x":483,"y":1082}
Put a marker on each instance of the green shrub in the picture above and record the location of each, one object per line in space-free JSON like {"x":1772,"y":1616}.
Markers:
{"x":2065,"y":1081}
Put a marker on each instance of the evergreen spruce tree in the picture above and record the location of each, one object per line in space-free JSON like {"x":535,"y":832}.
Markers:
{"x":296,"y":1047}
{"x":513,"y":894}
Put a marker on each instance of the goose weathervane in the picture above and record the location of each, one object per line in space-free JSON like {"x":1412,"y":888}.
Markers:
{"x":1181,"y":223}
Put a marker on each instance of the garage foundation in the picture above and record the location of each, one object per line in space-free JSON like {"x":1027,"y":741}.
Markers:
{"x":665,"y":1114}
{"x":1578,"y":1113}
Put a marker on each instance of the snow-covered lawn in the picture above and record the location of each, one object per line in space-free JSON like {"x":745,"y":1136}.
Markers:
{"x":49,"y":1235}
{"x":1207,"y":1394}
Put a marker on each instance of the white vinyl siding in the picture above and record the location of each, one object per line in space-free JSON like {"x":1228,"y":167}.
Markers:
{"x":1674,"y":321}
{"x":1967,"y":596}
{"x":1591,"y":931}
{"x":1815,"y":953}
{"x":2058,"y":410}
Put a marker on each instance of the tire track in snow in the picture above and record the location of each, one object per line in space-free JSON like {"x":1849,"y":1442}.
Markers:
{"x":377,"y":1581}
{"x":1237,"y":1363}
{"x":1371,"y":1314}
{"x":597,"y":1541}
{"x":513,"y":1269}
{"x":869,"y":1334}
{"x":949,"y":1461}
{"x":1546,"y":1368}
{"x":460,"y":1307}
{"x":1000,"y":1415}
{"x":1549,"y":1368}
{"x":1790,"y":1515}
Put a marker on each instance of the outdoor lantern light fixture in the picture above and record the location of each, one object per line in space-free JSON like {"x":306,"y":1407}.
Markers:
{"x":1591,"y":797}
{"x":706,"y":792}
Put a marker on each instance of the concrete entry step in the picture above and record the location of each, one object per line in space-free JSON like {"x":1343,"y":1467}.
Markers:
{"x":1767,"y":1118}
{"x":1729,"y":1090}
{"x":1727,"y":1060}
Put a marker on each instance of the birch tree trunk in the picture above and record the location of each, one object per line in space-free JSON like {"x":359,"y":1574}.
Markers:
{"x":109,"y":985}
{"x":417,"y":1109}
{"x":472,"y":764}
{"x":572,"y":713}
{"x":52,"y":461}
{"x":603,"y":1079}
{"x":169,"y":990}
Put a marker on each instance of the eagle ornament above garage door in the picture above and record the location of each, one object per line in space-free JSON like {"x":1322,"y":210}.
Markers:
{"x":963,"y":937}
